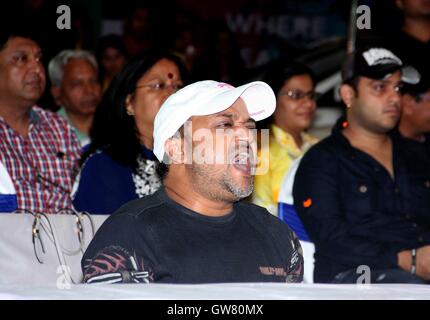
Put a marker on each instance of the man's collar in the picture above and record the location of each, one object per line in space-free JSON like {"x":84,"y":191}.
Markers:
{"x":34,"y":116}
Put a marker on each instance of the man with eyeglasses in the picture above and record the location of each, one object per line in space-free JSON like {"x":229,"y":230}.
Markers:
{"x":294,"y":85}
{"x":363,"y":197}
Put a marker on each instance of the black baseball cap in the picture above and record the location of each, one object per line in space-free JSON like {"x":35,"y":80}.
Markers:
{"x":377,"y":63}
{"x":422,"y":86}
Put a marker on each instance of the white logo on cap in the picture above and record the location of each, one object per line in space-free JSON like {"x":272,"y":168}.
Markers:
{"x":380,"y":56}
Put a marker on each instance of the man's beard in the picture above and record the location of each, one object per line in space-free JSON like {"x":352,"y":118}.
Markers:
{"x":212,"y":186}
{"x":234,"y":189}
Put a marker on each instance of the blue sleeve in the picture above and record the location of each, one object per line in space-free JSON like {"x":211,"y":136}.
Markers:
{"x":104,"y":185}
{"x":319,"y":203}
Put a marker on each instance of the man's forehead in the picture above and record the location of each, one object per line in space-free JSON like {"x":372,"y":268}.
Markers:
{"x":394,"y":77}
{"x":21,"y":44}
{"x":237,"y":110}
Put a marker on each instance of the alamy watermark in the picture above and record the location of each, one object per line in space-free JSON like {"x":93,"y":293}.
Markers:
{"x":222,"y":146}
{"x":64,"y":21}
{"x":365,"y":276}
{"x":364,"y":20}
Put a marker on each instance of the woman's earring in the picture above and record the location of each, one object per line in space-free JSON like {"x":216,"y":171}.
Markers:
{"x":130,"y":112}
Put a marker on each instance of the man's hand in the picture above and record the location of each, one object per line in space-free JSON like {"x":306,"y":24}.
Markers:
{"x":423,"y":262}
{"x":404,"y":259}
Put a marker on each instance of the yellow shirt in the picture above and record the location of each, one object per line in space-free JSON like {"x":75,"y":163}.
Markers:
{"x":282,"y":152}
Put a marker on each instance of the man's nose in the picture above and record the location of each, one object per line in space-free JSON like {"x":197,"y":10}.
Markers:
{"x":37,"y":67}
{"x":395,"y":95}
{"x":91,"y":88}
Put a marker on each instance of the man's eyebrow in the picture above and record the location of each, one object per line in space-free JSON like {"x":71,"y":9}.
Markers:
{"x":227,"y":115}
{"x":27,"y":50}
{"x":250,"y":120}
{"x":387,"y":82}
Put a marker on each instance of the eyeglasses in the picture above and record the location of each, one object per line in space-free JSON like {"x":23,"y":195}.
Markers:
{"x":299,"y":95}
{"x":161,"y":86}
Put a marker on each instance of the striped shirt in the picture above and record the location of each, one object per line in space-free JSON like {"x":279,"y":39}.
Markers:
{"x":42,"y":165}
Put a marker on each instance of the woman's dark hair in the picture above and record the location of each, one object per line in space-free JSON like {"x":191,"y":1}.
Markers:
{"x":113,"y":130}
{"x":279,"y":73}
{"x":110,"y":41}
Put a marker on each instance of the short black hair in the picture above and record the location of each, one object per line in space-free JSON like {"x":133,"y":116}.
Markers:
{"x":352,"y":82}
{"x":281,"y":72}
{"x":161,"y":168}
{"x":15,"y":30}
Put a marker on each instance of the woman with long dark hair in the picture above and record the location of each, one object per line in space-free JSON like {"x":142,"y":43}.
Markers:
{"x":294,"y":86}
{"x":119,"y":165}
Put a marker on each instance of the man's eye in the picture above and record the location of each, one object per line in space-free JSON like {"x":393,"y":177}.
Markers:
{"x":77,"y":84}
{"x":20,"y":59}
{"x":379,"y":87}
{"x":225,"y":125}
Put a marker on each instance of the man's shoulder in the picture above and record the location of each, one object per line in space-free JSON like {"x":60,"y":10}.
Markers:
{"x":49,"y":117}
{"x":326,"y":148}
{"x":144,"y":208}
{"x":260,"y":215}
{"x":53,"y":122}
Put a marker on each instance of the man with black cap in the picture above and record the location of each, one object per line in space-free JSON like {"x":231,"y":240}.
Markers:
{"x":195,"y":229}
{"x":415,"y":120}
{"x":365,"y":203}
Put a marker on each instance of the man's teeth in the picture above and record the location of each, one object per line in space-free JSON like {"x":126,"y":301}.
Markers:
{"x":242,"y":158}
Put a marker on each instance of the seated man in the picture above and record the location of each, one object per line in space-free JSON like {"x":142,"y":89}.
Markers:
{"x":362,"y":199}
{"x":415,"y":120}
{"x":76,"y":89}
{"x":195,"y":229}
{"x":38,"y":148}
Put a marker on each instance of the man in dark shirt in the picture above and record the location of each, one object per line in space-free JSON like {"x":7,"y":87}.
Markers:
{"x":415,"y":120}
{"x":363,"y":200}
{"x":196,"y":229}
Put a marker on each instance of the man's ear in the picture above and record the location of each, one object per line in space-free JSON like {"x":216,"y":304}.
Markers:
{"x":174,"y":150}
{"x":347,"y":94}
{"x":56,"y":94}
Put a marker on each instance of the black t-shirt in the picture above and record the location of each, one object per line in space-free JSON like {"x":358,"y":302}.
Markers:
{"x":154,"y":239}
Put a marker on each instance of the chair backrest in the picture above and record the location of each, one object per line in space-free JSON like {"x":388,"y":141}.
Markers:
{"x":288,"y":214}
{"x":29,"y":260}
{"x":8,"y":200}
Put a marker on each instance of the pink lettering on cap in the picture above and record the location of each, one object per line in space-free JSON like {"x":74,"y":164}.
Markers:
{"x":224,"y":85}
{"x":256,"y":113}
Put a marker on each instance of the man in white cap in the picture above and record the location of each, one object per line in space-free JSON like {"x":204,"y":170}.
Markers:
{"x":196,"y":229}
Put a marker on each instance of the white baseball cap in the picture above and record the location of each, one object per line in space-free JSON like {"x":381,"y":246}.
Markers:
{"x":208,"y":97}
